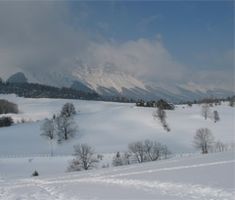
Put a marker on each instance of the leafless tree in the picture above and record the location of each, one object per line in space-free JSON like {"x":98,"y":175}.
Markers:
{"x":216,"y":116}
{"x":126,"y":158}
{"x":205,"y":110}
{"x":161,"y":115}
{"x":49,"y":132}
{"x":137,"y":148}
{"x":66,"y":128}
{"x":220,"y":147}
{"x":203,"y":139}
{"x":68,"y":110}
{"x":155,"y":150}
{"x":85,"y":158}
{"x":148,"y":150}
{"x":152,"y":150}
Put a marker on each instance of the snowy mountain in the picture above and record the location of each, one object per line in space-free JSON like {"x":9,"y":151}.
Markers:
{"x":109,"y":82}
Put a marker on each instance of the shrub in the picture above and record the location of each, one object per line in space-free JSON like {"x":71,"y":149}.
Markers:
{"x":35,"y":173}
{"x":6,"y":121}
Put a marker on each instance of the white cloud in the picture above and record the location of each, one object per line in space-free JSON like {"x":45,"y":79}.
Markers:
{"x":147,"y":59}
{"x":41,"y":36}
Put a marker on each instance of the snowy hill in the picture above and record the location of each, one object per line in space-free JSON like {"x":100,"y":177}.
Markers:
{"x":109,"y":127}
{"x":207,"y":177}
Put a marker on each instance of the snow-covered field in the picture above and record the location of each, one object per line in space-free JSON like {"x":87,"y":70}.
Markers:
{"x":109,"y":127}
{"x":198,"y":177}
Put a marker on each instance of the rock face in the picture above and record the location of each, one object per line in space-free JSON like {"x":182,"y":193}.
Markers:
{"x":17,"y":78}
{"x":81,"y":87}
{"x":112,"y":83}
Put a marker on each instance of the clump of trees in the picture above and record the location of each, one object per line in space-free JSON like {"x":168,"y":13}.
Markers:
{"x":60,"y":128}
{"x":206,"y":113}
{"x":162,"y":104}
{"x":141,"y":151}
{"x":85,"y":158}
{"x":161,"y":115}
{"x":35,"y":90}
{"x":6,"y":121}
{"x":203,"y":140}
{"x":220,"y":147}
{"x":8,"y":107}
{"x":148,"y":150}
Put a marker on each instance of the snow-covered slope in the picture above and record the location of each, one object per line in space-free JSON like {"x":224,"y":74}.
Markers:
{"x":110,"y":127}
{"x":207,"y":177}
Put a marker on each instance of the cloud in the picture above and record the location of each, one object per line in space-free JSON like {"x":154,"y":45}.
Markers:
{"x":147,"y":59}
{"x":37,"y":36}
{"x":42,"y":36}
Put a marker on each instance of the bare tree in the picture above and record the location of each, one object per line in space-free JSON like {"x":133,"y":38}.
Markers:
{"x":68,"y":110}
{"x":155,"y":150}
{"x":220,"y":146}
{"x":49,"y":132}
{"x":216,"y":116}
{"x":148,"y":150}
{"x":161,"y":115}
{"x":126,"y":158}
{"x":203,"y":139}
{"x":66,"y":128}
{"x":85,"y":158}
{"x":205,"y":110}
{"x":152,"y":150}
{"x":137,"y":148}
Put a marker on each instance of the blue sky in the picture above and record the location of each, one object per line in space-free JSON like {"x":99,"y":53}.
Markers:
{"x":171,"y":41}
{"x":194,"y":32}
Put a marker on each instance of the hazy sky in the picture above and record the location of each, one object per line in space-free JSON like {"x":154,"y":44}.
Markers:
{"x":170,"y":41}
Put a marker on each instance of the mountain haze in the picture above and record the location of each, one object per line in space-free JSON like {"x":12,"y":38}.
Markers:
{"x":111,"y":83}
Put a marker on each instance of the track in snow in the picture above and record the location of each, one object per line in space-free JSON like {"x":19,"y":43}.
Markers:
{"x":59,"y":188}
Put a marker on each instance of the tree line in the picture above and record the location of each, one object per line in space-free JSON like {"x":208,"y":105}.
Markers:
{"x":34,"y":90}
